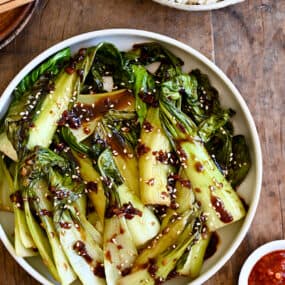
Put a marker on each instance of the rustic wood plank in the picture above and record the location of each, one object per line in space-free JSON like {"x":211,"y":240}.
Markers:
{"x":249,"y":44}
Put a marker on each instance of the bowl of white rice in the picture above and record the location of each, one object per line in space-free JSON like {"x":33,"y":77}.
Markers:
{"x":198,"y":5}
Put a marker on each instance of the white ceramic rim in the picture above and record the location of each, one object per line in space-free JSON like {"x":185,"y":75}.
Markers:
{"x":256,"y":255}
{"x":206,"y":7}
{"x":164,"y":39}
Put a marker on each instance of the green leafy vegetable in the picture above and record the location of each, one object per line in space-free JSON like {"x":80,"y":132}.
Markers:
{"x":119,"y":166}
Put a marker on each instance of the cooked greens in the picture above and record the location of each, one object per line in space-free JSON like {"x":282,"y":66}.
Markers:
{"x":125,"y":182}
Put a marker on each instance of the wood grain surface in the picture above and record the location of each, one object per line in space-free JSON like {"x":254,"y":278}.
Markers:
{"x":247,"y":41}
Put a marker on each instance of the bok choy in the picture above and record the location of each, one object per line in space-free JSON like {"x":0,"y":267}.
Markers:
{"x":120,"y":184}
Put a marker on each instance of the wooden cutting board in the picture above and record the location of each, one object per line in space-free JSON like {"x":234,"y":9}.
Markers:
{"x":12,"y":22}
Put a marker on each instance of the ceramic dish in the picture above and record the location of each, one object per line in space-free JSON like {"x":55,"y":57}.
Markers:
{"x":256,"y":256}
{"x":230,"y":236}
{"x":202,"y":7}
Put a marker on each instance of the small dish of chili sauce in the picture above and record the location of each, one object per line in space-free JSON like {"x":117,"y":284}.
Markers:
{"x":265,"y":266}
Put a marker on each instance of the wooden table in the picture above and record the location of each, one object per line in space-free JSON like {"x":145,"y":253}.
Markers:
{"x":246,"y":41}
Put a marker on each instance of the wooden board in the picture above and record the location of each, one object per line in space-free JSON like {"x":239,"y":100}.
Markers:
{"x":247,"y":41}
{"x":12,"y":22}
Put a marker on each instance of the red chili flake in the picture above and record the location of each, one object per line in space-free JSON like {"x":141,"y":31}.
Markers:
{"x":174,"y":205}
{"x":181,"y":154}
{"x":173,"y":177}
{"x":173,"y":159}
{"x":150,"y":182}
{"x":107,"y":181}
{"x":92,"y":186}
{"x":45,"y":212}
{"x":60,"y":194}
{"x":70,"y":118}
{"x":185,"y":183}
{"x":108,"y":103}
{"x":152,"y":269}
{"x":52,"y":189}
{"x":142,"y":149}
{"x":99,"y":270}
{"x":127,"y":210}
{"x":108,"y":256}
{"x":60,"y":147}
{"x":165,"y":194}
{"x":86,"y":130}
{"x":17,"y":199}
{"x":80,"y":248}
{"x":69,"y":70}
{"x":199,"y":166}
{"x":160,"y":210}
{"x":147,"y":126}
{"x":161,"y":156}
{"x":148,"y":98}
{"x":65,"y":225}
{"x":126,"y":271}
{"x":181,"y":127}
{"x":80,"y":73}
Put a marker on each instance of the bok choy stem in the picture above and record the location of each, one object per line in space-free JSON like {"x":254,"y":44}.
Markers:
{"x":218,"y":200}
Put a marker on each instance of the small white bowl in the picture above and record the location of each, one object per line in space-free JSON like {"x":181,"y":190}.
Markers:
{"x":256,"y":256}
{"x":201,"y":7}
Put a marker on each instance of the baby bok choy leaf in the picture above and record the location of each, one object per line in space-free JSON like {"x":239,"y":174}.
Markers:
{"x":154,"y":152}
{"x":144,"y":91}
{"x":34,"y":186}
{"x":27,"y":96}
{"x":49,"y":111}
{"x":80,"y":241}
{"x":84,"y":254}
{"x":163,"y":257}
{"x":118,"y":244}
{"x":142,"y":223}
{"x":51,"y":66}
{"x":6,"y":187}
{"x":114,"y":131}
{"x":212,"y":190}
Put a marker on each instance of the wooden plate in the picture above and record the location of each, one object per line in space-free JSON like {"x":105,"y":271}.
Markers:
{"x":12,"y":22}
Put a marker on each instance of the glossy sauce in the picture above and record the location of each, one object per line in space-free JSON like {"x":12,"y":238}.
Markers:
{"x":199,"y":166}
{"x":219,"y":207}
{"x":80,"y":249}
{"x":212,"y":246}
{"x":99,"y":270}
{"x":117,"y":143}
{"x":82,"y":113}
{"x":269,"y":270}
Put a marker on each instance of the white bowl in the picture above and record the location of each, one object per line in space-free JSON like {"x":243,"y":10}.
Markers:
{"x":202,"y":7}
{"x":230,"y":236}
{"x":256,"y":256}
